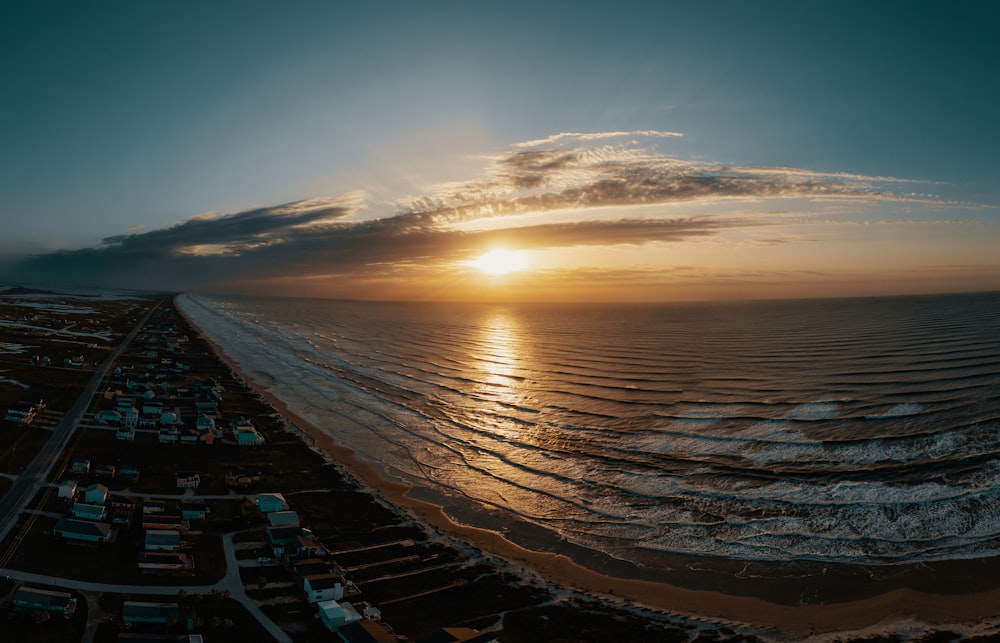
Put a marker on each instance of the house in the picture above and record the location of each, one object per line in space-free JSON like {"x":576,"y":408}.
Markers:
{"x":334,"y":615}
{"x":188,"y":480}
{"x":67,"y":490}
{"x":323,"y":587}
{"x":22,"y":413}
{"x":95,"y":494}
{"x":108,"y":416}
{"x":31,"y":598}
{"x":204,"y":424}
{"x":169,"y":435}
{"x":130,"y":417}
{"x":108,"y":471}
{"x":163,"y":540}
{"x":122,"y":509}
{"x":283,"y":518}
{"x":160,"y":521}
{"x":143,"y":612}
{"x":170,"y":418}
{"x":79,"y":466}
{"x":154,"y":506}
{"x":312,"y":566}
{"x":126,"y":433}
{"x":83,"y":530}
{"x":247,"y":436}
{"x":86,"y":511}
{"x":194,"y":509}
{"x":128,"y":472}
{"x":291,"y":542}
{"x":268,"y":502}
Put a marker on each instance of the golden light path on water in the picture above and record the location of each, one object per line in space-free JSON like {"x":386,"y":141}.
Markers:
{"x":500,"y":367}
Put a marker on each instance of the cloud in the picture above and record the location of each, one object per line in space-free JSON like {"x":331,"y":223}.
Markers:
{"x":326,"y":236}
{"x":594,"y":136}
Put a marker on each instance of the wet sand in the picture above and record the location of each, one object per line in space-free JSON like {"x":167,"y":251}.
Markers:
{"x":764,"y":604}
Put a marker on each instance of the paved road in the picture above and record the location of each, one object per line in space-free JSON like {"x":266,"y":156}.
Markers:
{"x":34,"y":475}
{"x":231,"y":582}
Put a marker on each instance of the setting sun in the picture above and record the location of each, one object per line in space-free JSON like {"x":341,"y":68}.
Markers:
{"x":500,"y":261}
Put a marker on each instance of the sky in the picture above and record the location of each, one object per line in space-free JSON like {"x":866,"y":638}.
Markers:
{"x":628,"y":151}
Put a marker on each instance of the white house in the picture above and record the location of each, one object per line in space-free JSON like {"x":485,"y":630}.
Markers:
{"x":67,"y":489}
{"x":335,"y":616}
{"x":323,"y":587}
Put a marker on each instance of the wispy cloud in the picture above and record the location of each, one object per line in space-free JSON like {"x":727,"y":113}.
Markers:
{"x":568,"y":171}
{"x":580,"y":137}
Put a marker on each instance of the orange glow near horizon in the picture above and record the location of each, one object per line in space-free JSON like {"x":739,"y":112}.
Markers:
{"x":500,"y":261}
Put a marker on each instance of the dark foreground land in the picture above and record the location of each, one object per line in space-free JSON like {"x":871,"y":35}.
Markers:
{"x":237,"y":584}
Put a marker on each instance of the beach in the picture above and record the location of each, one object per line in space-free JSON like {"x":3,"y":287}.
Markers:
{"x":962,"y":590}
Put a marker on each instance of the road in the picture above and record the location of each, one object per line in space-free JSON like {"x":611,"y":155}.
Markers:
{"x":231,"y":583}
{"x":34,"y":476}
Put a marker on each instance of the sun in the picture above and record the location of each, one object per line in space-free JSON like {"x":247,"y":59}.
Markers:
{"x":500,"y":261}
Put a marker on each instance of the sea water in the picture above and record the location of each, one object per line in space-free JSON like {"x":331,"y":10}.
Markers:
{"x":852,"y":430}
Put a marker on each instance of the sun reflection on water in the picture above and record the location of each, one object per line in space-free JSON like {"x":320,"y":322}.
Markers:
{"x":500,"y":358}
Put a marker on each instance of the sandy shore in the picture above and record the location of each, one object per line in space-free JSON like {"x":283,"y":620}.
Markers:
{"x":952,"y":606}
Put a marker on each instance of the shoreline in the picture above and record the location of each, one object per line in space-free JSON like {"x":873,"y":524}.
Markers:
{"x":902,"y":604}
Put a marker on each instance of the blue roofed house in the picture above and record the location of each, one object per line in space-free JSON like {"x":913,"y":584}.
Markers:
{"x":86,"y":511}
{"x":95,"y":494}
{"x":32,"y":598}
{"x":83,"y":530}
{"x":268,"y":502}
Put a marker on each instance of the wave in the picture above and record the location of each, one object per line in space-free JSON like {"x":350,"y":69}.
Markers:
{"x":677,"y":430}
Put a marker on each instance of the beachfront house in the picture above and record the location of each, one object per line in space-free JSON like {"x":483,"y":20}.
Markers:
{"x":32,"y":598}
{"x":268,"y":502}
{"x":83,"y":530}
{"x":291,"y":542}
{"x":323,"y":587}
{"x":335,"y":615}
{"x":244,"y":432}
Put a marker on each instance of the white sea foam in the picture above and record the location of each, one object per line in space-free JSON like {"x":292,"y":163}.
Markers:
{"x":806,"y":476}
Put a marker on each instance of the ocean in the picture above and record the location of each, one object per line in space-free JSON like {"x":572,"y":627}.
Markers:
{"x":831,"y":431}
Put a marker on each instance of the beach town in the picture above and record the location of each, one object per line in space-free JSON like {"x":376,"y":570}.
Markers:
{"x":151,"y":493}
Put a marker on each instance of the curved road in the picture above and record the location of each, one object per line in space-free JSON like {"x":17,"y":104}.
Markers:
{"x":231,"y":582}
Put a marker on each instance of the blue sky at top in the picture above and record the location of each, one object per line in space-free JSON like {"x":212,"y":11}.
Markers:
{"x":135,"y":116}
